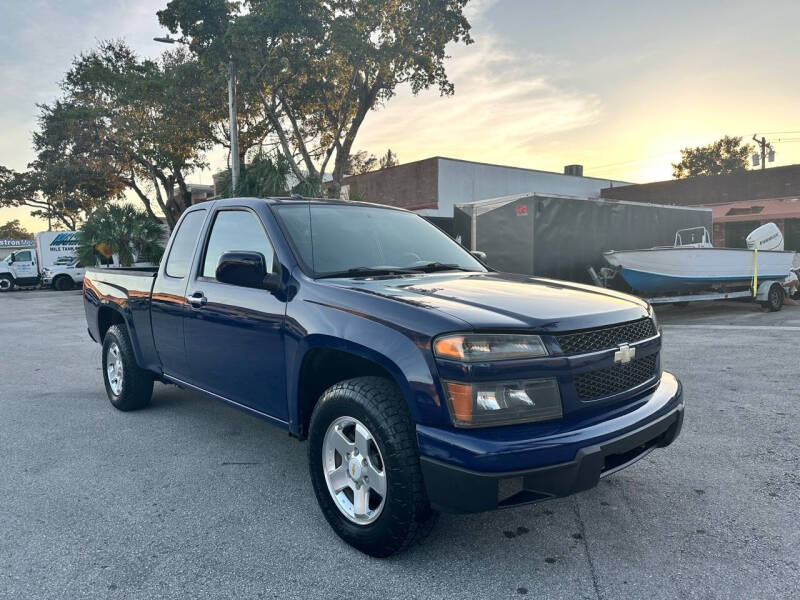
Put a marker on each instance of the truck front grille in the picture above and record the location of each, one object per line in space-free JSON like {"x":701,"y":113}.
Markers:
{"x":616,"y":379}
{"x":606,"y":337}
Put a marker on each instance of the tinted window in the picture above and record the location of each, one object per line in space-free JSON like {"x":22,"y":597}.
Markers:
{"x":23,"y":256}
{"x":332,"y":238}
{"x":182,"y":250}
{"x":235,"y":230}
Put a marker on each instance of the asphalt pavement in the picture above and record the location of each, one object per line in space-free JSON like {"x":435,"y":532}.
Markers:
{"x":193,"y":499}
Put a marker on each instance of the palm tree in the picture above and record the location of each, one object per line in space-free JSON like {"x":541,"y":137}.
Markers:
{"x":120,"y":229}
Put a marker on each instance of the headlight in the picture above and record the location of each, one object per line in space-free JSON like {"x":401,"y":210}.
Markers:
{"x":484,"y":404}
{"x":480,"y":347}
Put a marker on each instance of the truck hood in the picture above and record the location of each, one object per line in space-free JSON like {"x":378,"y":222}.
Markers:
{"x":507,"y":301}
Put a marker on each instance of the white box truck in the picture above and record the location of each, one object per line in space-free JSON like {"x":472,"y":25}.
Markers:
{"x":52,"y":261}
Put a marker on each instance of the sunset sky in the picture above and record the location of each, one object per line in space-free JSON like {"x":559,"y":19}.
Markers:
{"x":619,"y":87}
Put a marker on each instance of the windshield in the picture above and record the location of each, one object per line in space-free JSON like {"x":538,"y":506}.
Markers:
{"x":332,"y":240}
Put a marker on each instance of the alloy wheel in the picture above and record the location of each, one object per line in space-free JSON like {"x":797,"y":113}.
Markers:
{"x":354,"y":470}
{"x":114,"y":369}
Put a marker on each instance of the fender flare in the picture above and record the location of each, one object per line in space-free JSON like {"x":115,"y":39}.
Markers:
{"x":409,"y":389}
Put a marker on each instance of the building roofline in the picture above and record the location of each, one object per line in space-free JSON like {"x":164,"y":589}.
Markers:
{"x":514,"y":197}
{"x":486,"y":164}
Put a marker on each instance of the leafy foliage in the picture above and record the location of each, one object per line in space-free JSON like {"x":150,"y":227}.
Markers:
{"x":13,"y":230}
{"x":62,"y":184}
{"x":121,"y":229}
{"x":262,"y":177}
{"x":727,"y":155}
{"x":361,"y":162}
{"x":389,"y":159}
{"x":149,"y":121}
{"x":364,"y":162}
{"x":315,"y":68}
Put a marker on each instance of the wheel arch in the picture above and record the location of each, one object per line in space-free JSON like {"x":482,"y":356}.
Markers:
{"x":328,"y":361}
{"x":109,"y":314}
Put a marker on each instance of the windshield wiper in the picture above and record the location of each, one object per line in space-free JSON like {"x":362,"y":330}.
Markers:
{"x":439,"y":266}
{"x":365,"y":271}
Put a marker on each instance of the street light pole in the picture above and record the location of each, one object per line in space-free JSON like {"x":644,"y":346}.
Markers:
{"x":233,"y":129}
{"x":231,"y":76}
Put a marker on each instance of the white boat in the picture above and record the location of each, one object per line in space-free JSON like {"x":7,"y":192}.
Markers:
{"x":694,"y":264}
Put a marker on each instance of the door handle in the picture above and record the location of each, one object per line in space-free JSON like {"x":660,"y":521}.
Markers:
{"x":197,"y":299}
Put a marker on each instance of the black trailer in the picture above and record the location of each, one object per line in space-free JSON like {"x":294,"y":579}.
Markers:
{"x":562,"y":236}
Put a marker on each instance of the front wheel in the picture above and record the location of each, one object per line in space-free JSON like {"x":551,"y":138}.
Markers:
{"x":364,"y":467}
{"x":6,"y":283}
{"x":63,"y":283}
{"x":128,"y":386}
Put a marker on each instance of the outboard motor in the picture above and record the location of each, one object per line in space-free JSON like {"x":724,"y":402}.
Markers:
{"x":766,"y":237}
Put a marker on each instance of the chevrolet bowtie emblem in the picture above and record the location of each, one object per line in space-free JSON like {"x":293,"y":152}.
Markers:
{"x":624,"y":355}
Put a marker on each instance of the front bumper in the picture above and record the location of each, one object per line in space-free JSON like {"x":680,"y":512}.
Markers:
{"x":455,"y":488}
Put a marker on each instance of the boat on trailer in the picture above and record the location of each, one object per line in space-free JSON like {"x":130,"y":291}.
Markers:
{"x":693,"y":264}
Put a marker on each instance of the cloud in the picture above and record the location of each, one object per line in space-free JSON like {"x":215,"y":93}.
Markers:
{"x":506,"y":105}
{"x":476,"y":8}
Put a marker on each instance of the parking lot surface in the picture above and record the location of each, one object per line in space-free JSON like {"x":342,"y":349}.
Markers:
{"x":190,"y":498}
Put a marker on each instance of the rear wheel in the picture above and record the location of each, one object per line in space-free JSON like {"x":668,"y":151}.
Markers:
{"x":63,"y":283}
{"x":128,"y":386}
{"x":6,"y":283}
{"x":364,"y":466}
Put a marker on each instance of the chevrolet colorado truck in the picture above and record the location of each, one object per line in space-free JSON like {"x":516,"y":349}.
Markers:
{"x":423,"y":380}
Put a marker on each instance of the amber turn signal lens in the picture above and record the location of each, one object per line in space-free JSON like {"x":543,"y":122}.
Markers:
{"x":450,"y":347}
{"x":460,"y":396}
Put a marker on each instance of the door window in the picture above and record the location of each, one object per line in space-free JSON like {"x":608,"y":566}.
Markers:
{"x":24,"y":256}
{"x":235,"y":230}
{"x":182,"y":250}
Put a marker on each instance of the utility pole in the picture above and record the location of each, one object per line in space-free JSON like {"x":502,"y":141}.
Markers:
{"x":231,"y":76}
{"x":233,"y":129}
{"x":764,"y":144}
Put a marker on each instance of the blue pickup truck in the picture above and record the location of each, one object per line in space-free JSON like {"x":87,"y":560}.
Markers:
{"x":423,"y":380}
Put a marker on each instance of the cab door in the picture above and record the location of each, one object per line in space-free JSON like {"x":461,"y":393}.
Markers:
{"x":24,"y":265}
{"x":168,"y":306}
{"x":234,"y":335}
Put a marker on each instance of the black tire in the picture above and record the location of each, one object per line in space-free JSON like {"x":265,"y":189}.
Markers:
{"x":63,"y":283}
{"x":136,"y":383}
{"x":774,"y":300}
{"x":6,"y":283}
{"x":406,"y":517}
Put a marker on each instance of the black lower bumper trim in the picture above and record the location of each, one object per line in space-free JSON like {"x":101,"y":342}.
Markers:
{"x":454,"y":489}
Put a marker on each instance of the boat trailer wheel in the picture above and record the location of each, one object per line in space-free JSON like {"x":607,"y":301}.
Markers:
{"x":774,"y":300}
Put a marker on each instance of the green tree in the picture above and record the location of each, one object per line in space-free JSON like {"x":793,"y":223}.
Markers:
{"x":120,"y":229}
{"x":727,"y":155}
{"x":150,"y":121}
{"x":389,"y":159}
{"x":262,"y":177}
{"x":361,"y":162}
{"x":13,"y":230}
{"x":58,"y":189}
{"x":316,"y":68}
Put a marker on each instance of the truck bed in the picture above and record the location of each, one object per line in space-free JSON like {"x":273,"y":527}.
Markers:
{"x":125,"y":292}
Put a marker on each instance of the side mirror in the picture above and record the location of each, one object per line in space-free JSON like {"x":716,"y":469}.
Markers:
{"x":245,"y":269}
{"x":481,"y":256}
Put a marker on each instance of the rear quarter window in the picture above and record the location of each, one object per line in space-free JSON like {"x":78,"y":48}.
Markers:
{"x":182,"y":250}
